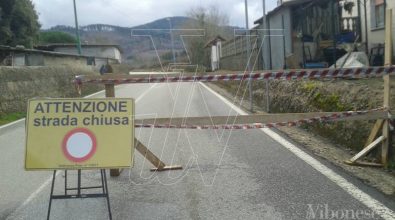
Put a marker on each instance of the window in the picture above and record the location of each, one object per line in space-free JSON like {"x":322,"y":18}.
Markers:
{"x":377,"y":13}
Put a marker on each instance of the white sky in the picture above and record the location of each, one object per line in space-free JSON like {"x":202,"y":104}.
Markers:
{"x":129,"y":13}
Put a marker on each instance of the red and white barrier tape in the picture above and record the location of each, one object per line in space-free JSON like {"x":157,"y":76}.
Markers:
{"x":273,"y":75}
{"x":326,"y":118}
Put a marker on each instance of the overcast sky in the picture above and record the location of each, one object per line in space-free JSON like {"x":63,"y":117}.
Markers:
{"x":129,"y":13}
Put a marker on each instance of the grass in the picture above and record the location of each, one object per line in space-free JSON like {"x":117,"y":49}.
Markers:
{"x":10,"y":117}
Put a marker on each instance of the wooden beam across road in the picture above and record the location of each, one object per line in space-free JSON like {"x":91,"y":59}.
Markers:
{"x":259,"y":118}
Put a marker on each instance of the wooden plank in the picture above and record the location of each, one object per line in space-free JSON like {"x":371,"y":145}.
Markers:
{"x":149,"y":155}
{"x":375,"y":131}
{"x":363,"y":163}
{"x":132,"y":75}
{"x":387,"y":86}
{"x":367,"y":149}
{"x":110,"y":92}
{"x":138,"y":74}
{"x":257,"y":118}
{"x":174,"y":167}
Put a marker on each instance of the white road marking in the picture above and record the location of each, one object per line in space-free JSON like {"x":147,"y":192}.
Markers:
{"x":12,"y":123}
{"x":350,"y":188}
{"x":145,"y":93}
{"x":97,"y":93}
{"x":35,"y":193}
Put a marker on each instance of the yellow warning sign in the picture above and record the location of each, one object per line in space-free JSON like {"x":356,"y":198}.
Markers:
{"x":79,"y":133}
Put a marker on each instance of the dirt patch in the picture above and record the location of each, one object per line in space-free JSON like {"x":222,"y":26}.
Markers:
{"x":383,"y":180}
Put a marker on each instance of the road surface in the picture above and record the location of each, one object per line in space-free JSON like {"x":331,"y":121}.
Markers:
{"x":253,"y":174}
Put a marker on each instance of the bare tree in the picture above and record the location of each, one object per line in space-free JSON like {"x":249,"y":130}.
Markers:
{"x":214,"y":23}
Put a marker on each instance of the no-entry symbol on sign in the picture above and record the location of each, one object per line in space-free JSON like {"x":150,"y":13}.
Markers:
{"x":79,"y":145}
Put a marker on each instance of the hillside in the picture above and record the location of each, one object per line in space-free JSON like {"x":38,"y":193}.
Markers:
{"x":132,"y":44}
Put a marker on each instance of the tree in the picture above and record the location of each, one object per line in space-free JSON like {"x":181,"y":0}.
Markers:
{"x":51,"y":37}
{"x":214,"y":23}
{"x":18,"y":23}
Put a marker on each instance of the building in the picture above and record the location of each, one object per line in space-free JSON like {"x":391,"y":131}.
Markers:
{"x":108,"y":52}
{"x":373,"y":28}
{"x":215,"y":46}
{"x":20,"y":56}
{"x":297,"y":34}
{"x":307,"y":31}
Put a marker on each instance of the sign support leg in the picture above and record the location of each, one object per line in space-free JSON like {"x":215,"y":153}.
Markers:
{"x":79,"y":195}
{"x":51,"y":195}
{"x":105,"y":191}
{"x":79,"y":183}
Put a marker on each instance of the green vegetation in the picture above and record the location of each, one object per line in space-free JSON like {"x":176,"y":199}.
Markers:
{"x":328,"y":102}
{"x":18,"y":23}
{"x":324,"y":102}
{"x":52,"y":37}
{"x":10,"y":117}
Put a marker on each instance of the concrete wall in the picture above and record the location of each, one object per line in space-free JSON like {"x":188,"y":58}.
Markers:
{"x":234,"y":55}
{"x":34,"y":59}
{"x":65,"y":60}
{"x":110,"y":52}
{"x":41,"y":59}
{"x":18,"y":84}
{"x":45,"y":59}
{"x":238,"y":62}
{"x":19,"y":59}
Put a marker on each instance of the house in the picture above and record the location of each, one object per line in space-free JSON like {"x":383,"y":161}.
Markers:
{"x":20,"y":56}
{"x":307,"y":30}
{"x":107,"y":52}
{"x":373,"y":28}
{"x":216,"y":51}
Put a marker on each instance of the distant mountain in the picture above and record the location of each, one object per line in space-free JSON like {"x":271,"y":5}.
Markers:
{"x":135,"y":47}
{"x":131,"y":45}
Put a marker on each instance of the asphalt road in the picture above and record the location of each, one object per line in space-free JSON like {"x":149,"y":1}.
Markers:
{"x":253,"y":174}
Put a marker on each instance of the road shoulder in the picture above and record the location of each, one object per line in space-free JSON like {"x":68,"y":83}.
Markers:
{"x":378,"y":178}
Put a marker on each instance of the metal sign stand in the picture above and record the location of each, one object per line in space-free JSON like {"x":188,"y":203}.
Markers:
{"x":79,"y":188}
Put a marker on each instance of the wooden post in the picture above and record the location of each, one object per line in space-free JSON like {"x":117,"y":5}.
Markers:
{"x":381,"y":124}
{"x":110,"y":93}
{"x":110,"y":90}
{"x":387,"y":85}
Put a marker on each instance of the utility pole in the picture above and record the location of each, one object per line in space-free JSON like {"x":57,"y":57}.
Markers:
{"x":77,"y":31}
{"x":366,"y":27}
{"x":172,"y":40}
{"x":264,"y":66}
{"x":248,"y":54}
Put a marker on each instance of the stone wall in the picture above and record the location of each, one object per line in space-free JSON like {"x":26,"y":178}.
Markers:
{"x":18,"y":84}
